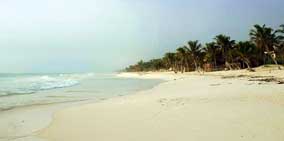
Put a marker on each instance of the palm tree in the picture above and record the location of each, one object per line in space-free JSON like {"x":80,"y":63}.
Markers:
{"x":183,"y":59}
{"x":226,"y":44}
{"x":261,"y":36}
{"x":267,"y":40}
{"x":155,"y":64}
{"x":280,"y":36}
{"x":281,"y":30}
{"x":280,"y":48}
{"x":245,"y":52}
{"x":169,"y":60}
{"x":140,"y":65}
{"x":194,"y":50}
{"x":211,"y":52}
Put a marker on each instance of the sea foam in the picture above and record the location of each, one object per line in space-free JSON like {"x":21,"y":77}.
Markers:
{"x":32,"y":83}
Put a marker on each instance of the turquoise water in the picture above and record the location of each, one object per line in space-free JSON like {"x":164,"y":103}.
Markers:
{"x":18,"y":90}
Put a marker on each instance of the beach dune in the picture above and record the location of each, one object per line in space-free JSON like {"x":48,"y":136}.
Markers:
{"x":188,"y":107}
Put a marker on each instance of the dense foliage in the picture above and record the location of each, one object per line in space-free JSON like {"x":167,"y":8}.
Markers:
{"x":265,"y":46}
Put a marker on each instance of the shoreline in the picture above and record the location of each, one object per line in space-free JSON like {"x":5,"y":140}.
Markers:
{"x":22,"y":122}
{"x":143,"y":114}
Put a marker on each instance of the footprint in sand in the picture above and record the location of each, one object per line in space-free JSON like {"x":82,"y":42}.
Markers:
{"x":215,"y":84}
{"x":173,"y":102}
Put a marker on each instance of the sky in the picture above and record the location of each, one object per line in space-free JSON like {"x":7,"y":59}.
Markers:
{"x":50,"y":36}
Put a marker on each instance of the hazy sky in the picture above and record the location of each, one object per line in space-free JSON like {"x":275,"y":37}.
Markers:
{"x":106,"y":35}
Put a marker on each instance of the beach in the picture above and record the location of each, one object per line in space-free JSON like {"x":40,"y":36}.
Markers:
{"x":225,"y":105}
{"x":147,"y":70}
{"x":25,"y":110}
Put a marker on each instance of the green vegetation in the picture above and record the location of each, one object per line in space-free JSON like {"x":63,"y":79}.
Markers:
{"x":265,"y":46}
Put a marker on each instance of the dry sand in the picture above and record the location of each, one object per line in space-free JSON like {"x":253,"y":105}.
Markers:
{"x":188,"y":107}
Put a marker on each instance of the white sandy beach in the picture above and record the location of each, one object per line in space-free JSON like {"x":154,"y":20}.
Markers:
{"x":187,"y":107}
{"x":142,"y":70}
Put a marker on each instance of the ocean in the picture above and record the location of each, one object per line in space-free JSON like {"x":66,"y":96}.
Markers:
{"x":19,"y":90}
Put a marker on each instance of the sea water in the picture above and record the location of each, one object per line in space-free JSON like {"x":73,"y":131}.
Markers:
{"x":19,"y":90}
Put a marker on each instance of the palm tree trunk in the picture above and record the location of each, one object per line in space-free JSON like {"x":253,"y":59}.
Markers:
{"x":187,"y":66}
{"x":215,"y":62}
{"x":175,"y":67}
{"x":228,"y":65}
{"x":275,"y":61}
{"x":247,"y":63}
{"x":195,"y":64}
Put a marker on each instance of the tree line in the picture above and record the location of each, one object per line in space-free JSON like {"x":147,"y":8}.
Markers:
{"x":265,"y":46}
